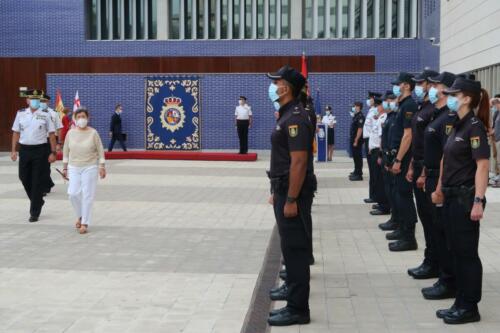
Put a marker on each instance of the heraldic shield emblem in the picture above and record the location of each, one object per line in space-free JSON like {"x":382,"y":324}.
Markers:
{"x":172,"y":113}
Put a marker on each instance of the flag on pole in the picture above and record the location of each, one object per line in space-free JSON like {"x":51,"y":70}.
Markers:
{"x":76,"y":103}
{"x":304,"y":71}
{"x":59,"y":104}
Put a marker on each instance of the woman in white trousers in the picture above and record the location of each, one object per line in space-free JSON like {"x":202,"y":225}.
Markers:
{"x":83,"y":160}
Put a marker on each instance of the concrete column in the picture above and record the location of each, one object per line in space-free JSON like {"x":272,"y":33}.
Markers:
{"x":339,"y":18}
{"x":413,"y":18}
{"x":206,"y":19}
{"x":99,"y":19}
{"x":109,"y":6}
{"x":146,"y":19}
{"x":122,"y":23}
{"x":242,"y":19}
{"x":351,"y":18}
{"x":278,"y":19}
{"x":388,"y":19}
{"x":218,"y":13}
{"x":376,"y":18}
{"x":254,"y":19}
{"x":230,"y":13}
{"x":182,"y":20}
{"x":297,"y":18}
{"x":327,"y":18}
{"x":315,"y":19}
{"x":194,"y":19}
{"x":401,"y":19}
{"x":364,"y":18}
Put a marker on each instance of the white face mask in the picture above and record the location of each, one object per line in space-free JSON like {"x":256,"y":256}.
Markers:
{"x":82,"y":122}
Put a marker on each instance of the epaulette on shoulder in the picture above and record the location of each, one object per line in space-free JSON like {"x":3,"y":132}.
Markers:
{"x":296,"y":110}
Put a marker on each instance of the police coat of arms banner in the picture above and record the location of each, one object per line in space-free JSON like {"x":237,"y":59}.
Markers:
{"x":172,"y":113}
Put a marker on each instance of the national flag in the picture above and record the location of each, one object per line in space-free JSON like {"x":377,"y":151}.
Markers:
{"x":304,"y":71}
{"x":76,"y":102}
{"x":59,"y":104}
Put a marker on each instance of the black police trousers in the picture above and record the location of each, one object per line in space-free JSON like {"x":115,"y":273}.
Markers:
{"x":389,"y":192}
{"x":32,"y":163}
{"x":403,"y":202}
{"x":376,"y":175}
{"x":47,"y":182}
{"x":295,"y":247}
{"x":369,"y":161}
{"x":357,"y":156}
{"x":424,"y":210}
{"x":114,"y":138}
{"x":242,"y":127}
{"x":463,"y":235}
{"x":440,"y":240}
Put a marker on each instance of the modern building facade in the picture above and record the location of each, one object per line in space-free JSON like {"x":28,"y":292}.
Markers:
{"x":106,"y":48}
{"x":469,"y":40}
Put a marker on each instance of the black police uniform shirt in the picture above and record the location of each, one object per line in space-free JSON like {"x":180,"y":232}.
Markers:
{"x":389,"y":122}
{"x":418,"y":124}
{"x":467,"y":143}
{"x":358,"y":121}
{"x":293,"y":132}
{"x":407,"y":109}
{"x":435,"y":136}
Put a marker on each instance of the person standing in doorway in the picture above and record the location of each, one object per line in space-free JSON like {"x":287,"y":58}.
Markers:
{"x":243,"y":120}
{"x":115,"y":129}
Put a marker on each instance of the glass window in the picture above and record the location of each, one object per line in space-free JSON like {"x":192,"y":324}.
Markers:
{"x":321,"y":18}
{"x":223,"y":25}
{"x":381,"y":26}
{"x":260,"y":18}
{"x":272,"y":18}
{"x":369,"y":19}
{"x":407,"y":18}
{"x":91,"y":9}
{"x":345,"y":18}
{"x":117,"y":21}
{"x":174,"y":10}
{"x":307,"y":30}
{"x":152,"y":19}
{"x":357,"y":18}
{"x":333,"y":19}
{"x":104,"y":20}
{"x":139,"y":25}
{"x":188,"y":18}
{"x":212,"y":12}
{"x":394,"y":18}
{"x":285,"y":18}
{"x":128,"y":19}
{"x":248,"y":18}
{"x":236,"y":18}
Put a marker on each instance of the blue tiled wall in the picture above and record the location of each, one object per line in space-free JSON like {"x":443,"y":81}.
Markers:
{"x":219,"y":95}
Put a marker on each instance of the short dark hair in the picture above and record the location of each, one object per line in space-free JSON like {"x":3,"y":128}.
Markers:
{"x":81,"y":109}
{"x":358,"y":104}
{"x":118,"y":106}
{"x":497,"y":96}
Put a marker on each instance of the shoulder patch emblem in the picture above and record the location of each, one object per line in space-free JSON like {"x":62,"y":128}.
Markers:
{"x":293,"y":130}
{"x":475,"y":142}
{"x":408,"y":115}
{"x":448,"y":129}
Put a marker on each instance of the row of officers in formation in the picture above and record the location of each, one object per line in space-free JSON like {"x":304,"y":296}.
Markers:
{"x":432,"y":147}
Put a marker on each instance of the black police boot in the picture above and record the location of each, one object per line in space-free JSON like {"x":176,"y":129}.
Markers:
{"x":355,"y":178}
{"x":278,"y":289}
{"x":369,"y":200}
{"x":33,"y":219}
{"x":287,"y":318}
{"x":424,"y":271}
{"x":389,"y":225}
{"x":280,"y":295}
{"x":375,"y":206}
{"x":462,"y":316}
{"x":275,"y":312}
{"x":395,"y":235}
{"x":439,"y":290}
{"x":378,"y":212}
{"x":311,"y":260}
{"x":403,"y":245}
{"x":283,"y":274}
{"x":443,"y":312}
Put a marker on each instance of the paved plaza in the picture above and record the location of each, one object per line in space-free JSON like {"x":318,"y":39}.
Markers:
{"x":177,"y":246}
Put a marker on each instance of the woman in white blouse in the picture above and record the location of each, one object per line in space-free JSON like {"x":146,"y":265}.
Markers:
{"x":83,"y":160}
{"x":329,"y":121}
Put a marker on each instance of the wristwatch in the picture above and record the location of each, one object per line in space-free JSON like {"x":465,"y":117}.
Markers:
{"x":479,"y":200}
{"x":291,"y":199}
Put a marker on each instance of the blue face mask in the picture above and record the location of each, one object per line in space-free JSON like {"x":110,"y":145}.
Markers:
{"x":368,"y":102}
{"x":433,"y":95}
{"x":494,"y":109}
{"x":396,"y":90}
{"x":353,"y":109}
{"x":43,"y":105}
{"x":392,"y":106}
{"x":453,"y":103}
{"x":385,"y":105}
{"x":419,"y":91}
{"x":273,"y":92}
{"x":35,"y":103}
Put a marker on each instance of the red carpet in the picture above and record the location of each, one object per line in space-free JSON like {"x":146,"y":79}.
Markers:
{"x":177,"y":155}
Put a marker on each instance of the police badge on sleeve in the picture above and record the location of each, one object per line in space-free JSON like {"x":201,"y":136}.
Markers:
{"x":475,"y":142}
{"x":293,"y":130}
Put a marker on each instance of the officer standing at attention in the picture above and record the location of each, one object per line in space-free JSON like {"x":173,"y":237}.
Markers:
{"x":356,"y":137}
{"x":30,"y":130}
{"x":461,"y":188}
{"x":389,"y":104}
{"x":291,"y":175}
{"x":367,"y":129}
{"x":47,"y":183}
{"x":399,"y":142}
{"x":435,"y":137}
{"x":429,"y":267}
{"x":243,"y":120}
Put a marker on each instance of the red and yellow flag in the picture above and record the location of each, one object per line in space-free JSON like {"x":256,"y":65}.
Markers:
{"x":59,"y":104}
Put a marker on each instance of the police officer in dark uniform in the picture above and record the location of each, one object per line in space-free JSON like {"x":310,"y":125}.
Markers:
{"x":429,"y":267}
{"x":462,"y":189}
{"x":356,"y":141}
{"x":399,"y":144}
{"x":386,"y":159}
{"x":292,"y":191}
{"x":30,"y":130}
{"x":435,"y":137}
